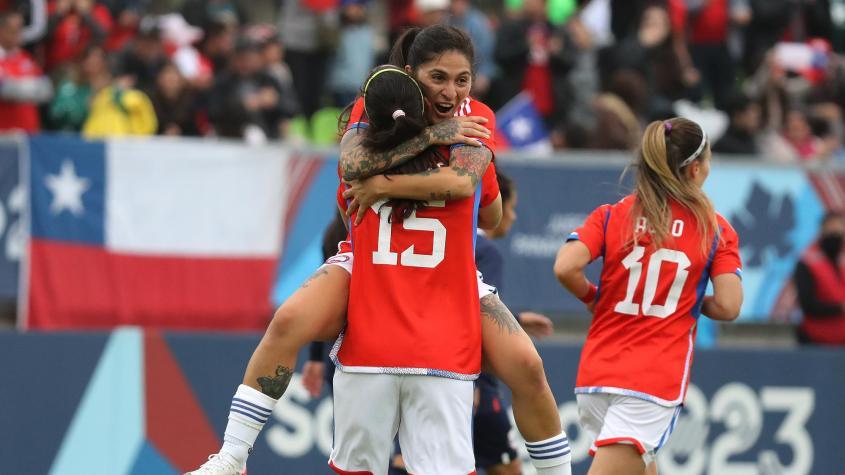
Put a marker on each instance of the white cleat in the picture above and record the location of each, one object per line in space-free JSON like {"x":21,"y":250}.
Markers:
{"x":218,"y":464}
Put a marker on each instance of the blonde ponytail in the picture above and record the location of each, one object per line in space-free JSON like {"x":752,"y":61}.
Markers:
{"x":666,"y":149}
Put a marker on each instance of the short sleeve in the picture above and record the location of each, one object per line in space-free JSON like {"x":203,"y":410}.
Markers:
{"x":591,"y":233}
{"x":476,"y":108}
{"x":489,"y":186}
{"x":726,"y":260}
{"x":356,"y":115}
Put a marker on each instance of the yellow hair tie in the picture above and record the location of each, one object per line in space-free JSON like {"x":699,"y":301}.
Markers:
{"x":395,"y":70}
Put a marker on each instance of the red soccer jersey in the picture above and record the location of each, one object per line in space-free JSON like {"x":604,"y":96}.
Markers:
{"x":641,"y":339}
{"x":413,"y":306}
{"x":489,"y":182}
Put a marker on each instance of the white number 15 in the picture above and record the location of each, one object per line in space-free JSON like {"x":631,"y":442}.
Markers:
{"x":383,"y":254}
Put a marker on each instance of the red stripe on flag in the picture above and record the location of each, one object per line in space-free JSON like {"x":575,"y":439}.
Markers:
{"x":74,"y":286}
{"x":176,"y":423}
{"x":302,"y":172}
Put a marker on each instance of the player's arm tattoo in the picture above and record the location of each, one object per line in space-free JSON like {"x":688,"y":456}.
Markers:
{"x":470,"y":161}
{"x":275,"y":386}
{"x":493,"y":309}
{"x":356,"y":162}
{"x":314,"y":276}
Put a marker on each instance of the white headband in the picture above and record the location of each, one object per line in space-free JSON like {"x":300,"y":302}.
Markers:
{"x":398,"y":113}
{"x":698,"y":151}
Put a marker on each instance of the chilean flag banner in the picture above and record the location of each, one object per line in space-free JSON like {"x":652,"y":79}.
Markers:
{"x":151,"y":232}
{"x":521,"y":128}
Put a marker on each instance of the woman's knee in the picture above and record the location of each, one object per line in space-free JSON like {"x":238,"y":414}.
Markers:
{"x":527,"y":372}
{"x":288,"y":323}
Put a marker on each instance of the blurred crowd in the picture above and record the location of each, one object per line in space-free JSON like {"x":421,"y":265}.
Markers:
{"x":766,"y":77}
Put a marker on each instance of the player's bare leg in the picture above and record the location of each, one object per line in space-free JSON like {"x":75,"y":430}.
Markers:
{"x":511,"y":355}
{"x":651,"y":469}
{"x":513,"y":468}
{"x":617,"y":459}
{"x":316,"y":311}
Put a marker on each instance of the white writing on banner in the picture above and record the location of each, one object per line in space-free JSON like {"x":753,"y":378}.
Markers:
{"x":740,"y":411}
{"x":294,"y":430}
{"x":735,"y":414}
{"x":547,"y":243}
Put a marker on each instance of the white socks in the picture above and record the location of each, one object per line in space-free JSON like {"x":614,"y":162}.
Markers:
{"x":551,"y":456}
{"x":249,"y":412}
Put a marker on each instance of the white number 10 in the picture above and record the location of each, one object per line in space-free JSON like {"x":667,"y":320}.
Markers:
{"x":635,"y":269}
{"x":383,"y":254}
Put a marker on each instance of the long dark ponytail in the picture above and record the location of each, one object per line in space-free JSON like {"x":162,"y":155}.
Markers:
{"x":394,"y":106}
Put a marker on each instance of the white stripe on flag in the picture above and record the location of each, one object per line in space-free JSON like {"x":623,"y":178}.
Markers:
{"x":194,"y":199}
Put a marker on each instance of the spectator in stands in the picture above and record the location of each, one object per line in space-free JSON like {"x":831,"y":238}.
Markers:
{"x":205,"y":12}
{"x":532,"y":56}
{"x":69,"y":108}
{"x":472,"y":20}
{"x":617,"y":127}
{"x":118,"y":110}
{"x":73,"y":25}
{"x":218,"y":44}
{"x":273,"y":54}
{"x":799,"y":136}
{"x":431,"y":12}
{"x":143,"y":57}
{"x":174,"y":103}
{"x":704,"y":26}
{"x":741,"y":136}
{"x":820,"y":281}
{"x":651,"y":52}
{"x":355,"y":55}
{"x":35,"y":18}
{"x":127,"y":19}
{"x":309,"y":30}
{"x":245,"y":101}
{"x":179,"y":39}
{"x":22,"y":84}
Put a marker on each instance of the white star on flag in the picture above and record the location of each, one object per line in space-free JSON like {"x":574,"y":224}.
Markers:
{"x":67,"y":188}
{"x":520,"y":128}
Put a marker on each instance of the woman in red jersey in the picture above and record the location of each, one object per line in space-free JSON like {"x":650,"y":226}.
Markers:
{"x":440,"y":58}
{"x":660,"y":247}
{"x":317,"y":310}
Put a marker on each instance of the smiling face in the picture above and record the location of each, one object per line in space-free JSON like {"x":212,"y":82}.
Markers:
{"x":446,"y":81}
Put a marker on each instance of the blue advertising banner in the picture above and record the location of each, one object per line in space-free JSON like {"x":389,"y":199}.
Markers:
{"x":12,"y":233}
{"x":775,"y":211}
{"x":553,"y":199}
{"x":134,"y":402}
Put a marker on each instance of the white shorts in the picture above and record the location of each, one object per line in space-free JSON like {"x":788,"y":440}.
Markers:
{"x":346,"y":259}
{"x":614,"y":419}
{"x":432,"y":415}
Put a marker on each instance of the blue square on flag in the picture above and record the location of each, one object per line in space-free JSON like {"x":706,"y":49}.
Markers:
{"x":521,"y":125}
{"x":67,"y":182}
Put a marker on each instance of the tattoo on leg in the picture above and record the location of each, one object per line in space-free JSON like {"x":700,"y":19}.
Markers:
{"x":495,"y":310}
{"x":319,"y":272}
{"x":275,"y":386}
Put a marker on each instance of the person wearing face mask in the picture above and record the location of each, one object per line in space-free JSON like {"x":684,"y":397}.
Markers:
{"x":820,"y":281}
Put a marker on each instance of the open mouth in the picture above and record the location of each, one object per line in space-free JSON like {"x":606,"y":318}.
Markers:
{"x":443,"y":108}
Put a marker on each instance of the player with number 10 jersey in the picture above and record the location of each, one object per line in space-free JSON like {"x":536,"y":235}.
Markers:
{"x":643,"y":331}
